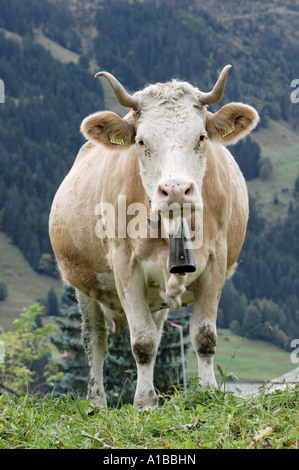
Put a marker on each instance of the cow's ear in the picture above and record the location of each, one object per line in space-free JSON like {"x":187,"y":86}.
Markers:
{"x":109,"y":129}
{"x":231,"y":123}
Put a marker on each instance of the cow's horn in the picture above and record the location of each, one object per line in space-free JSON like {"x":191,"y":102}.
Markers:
{"x":216,"y":94}
{"x":122,"y":96}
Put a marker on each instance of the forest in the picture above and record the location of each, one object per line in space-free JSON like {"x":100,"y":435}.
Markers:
{"x":142,"y":42}
{"x":39,"y":132}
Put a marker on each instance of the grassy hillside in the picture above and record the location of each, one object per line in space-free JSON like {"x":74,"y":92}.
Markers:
{"x":254,"y":360}
{"x":280,"y":142}
{"x":196,"y":420}
{"x":25,"y":286}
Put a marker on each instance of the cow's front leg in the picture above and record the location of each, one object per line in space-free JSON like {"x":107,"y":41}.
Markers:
{"x":203,"y":322}
{"x":144,"y":328}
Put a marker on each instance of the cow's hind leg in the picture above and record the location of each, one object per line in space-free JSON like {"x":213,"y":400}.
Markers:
{"x":94,"y":338}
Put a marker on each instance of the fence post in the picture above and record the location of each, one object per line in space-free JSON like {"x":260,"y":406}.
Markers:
{"x":1,"y":352}
{"x":180,"y":328}
{"x":2,"y":91}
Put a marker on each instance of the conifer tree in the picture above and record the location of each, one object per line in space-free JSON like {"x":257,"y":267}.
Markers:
{"x":52,"y":303}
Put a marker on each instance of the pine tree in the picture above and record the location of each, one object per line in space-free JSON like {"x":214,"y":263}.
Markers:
{"x":232,"y":304}
{"x":52,"y":304}
{"x":252,"y":319}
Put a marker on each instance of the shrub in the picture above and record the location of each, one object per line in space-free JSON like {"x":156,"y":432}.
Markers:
{"x":25,"y":347}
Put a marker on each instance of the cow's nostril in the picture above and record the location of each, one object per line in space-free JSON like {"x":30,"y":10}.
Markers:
{"x":164,"y":193}
{"x":189,"y":191}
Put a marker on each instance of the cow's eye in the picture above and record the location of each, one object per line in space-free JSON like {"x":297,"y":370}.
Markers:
{"x":142,"y":145}
{"x":202,"y":138}
{"x":200,"y":141}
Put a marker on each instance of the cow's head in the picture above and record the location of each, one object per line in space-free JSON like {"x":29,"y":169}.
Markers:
{"x":171,"y":127}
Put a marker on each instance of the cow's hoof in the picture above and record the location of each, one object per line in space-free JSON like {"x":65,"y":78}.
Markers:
{"x":146,"y":400}
{"x":97,"y":401}
{"x":209,"y":382}
{"x":146,"y":407}
{"x":93,"y":410}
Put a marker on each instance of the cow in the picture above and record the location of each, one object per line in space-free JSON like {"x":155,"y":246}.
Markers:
{"x":169,"y":149}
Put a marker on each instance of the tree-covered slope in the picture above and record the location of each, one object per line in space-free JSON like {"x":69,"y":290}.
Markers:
{"x":149,"y":41}
{"x":45,"y":103}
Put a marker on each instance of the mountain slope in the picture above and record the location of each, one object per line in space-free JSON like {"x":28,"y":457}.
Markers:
{"x":273,"y":195}
{"x":25,"y":286}
{"x":145,"y":41}
{"x":39,"y":132}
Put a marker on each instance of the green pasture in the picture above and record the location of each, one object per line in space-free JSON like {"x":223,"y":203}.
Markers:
{"x":254,"y":360}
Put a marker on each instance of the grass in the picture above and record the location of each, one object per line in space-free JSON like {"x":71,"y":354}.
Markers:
{"x":255,"y":360}
{"x":197,"y":419}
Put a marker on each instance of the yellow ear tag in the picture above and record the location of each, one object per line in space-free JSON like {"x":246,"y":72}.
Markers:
{"x":230,"y":130}
{"x":116,"y":140}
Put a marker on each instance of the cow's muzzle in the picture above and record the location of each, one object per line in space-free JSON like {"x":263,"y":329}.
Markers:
{"x":176,"y":192}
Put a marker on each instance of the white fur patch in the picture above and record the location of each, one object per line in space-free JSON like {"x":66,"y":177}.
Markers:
{"x":170,"y":124}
